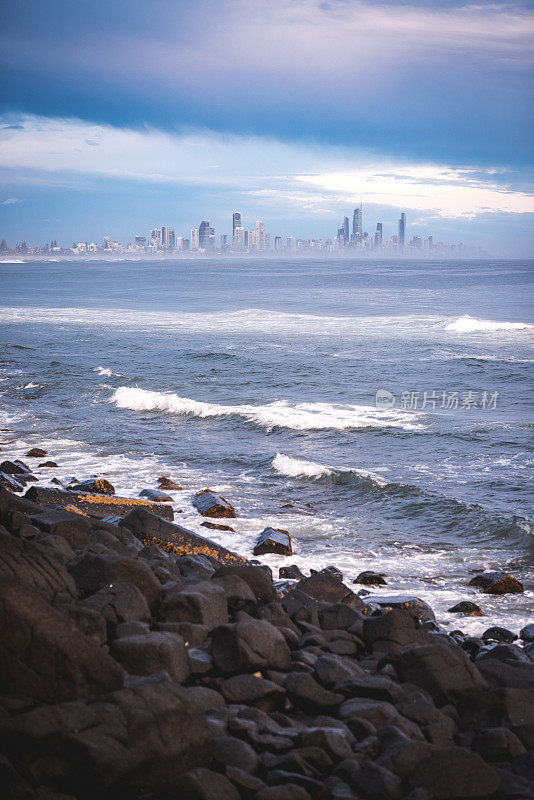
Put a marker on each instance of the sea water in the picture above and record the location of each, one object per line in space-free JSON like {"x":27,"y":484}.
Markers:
{"x":258,"y":378}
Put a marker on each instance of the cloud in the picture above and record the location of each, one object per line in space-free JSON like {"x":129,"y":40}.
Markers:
{"x":11,"y":201}
{"x":318,"y":178}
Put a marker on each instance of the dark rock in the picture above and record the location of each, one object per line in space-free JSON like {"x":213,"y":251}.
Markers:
{"x":156,"y":496}
{"x":510,"y":653}
{"x":467,"y":608}
{"x":454,"y":772}
{"x":248,"y":646}
{"x":93,"y":572}
{"x":152,"y":529}
{"x":43,"y":655}
{"x":91,"y":623}
{"x":289,"y":791}
{"x":168,"y":483}
{"x":121,"y":602}
{"x":305,"y":692}
{"x":48,"y":464}
{"x":36,"y":452}
{"x":506,"y":674}
{"x":203,"y":784}
{"x":338,"y":616}
{"x":273,"y":540}
{"x":527,"y":633}
{"x":505,"y":585}
{"x":301,"y":607}
{"x":95,"y":505}
{"x":332,"y":670}
{"x":251,"y":690}
{"x":210,"y":504}
{"x":497,"y":707}
{"x":198,"y":602}
{"x":445,"y":672}
{"x":328,"y":589}
{"x":36,"y":566}
{"x":247,"y":784}
{"x":397,"y":626}
{"x":258,"y":579}
{"x":369,"y":578}
{"x":238,"y":593}
{"x":417,"y":607}
{"x":152,"y":652}
{"x":496,"y":634}
{"x":215,"y":526}
{"x":228,"y":751}
{"x":195,"y":565}
{"x":374,"y":781}
{"x":291,"y":572}
{"x":74,"y":528}
{"x":330,"y":570}
{"x":7,"y":482}
{"x":497,"y":744}
{"x":14,"y":468}
{"x":95,"y":486}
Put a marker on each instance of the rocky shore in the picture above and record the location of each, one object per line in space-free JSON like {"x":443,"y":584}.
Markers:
{"x":141,"y":660}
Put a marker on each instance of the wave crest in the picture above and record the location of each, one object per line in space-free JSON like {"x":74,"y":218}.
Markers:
{"x":467,"y":324}
{"x":279,"y":414}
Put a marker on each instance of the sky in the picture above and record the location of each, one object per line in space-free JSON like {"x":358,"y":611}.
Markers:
{"x":117,"y":117}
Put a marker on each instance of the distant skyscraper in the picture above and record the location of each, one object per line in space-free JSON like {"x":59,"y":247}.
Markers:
{"x":402,"y":232}
{"x":346,"y":231}
{"x":238,"y":239}
{"x":357,"y":223}
{"x":165,"y":231}
{"x":140,"y":241}
{"x":224,"y":243}
{"x":194,"y":239}
{"x":378,"y":235}
{"x":155,"y":238}
{"x":204,"y":234}
{"x":236,"y":221}
{"x":278,"y":244}
{"x":260,"y":235}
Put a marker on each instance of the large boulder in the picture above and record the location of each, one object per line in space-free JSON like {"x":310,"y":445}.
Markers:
{"x":273,"y":540}
{"x":505,"y":585}
{"x":152,"y":652}
{"x":453,"y":773}
{"x":397,"y":626}
{"x":210,"y":504}
{"x":119,"y":603}
{"x":327,"y":588}
{"x":417,"y":607}
{"x":95,"y":505}
{"x":44,"y":655}
{"x":198,"y":602}
{"x":248,"y":646}
{"x":257,"y":578}
{"x":174,"y":539}
{"x":93,"y":572}
{"x":95,"y":486}
{"x":71,"y":526}
{"x":36,"y":566}
{"x":254,"y":691}
{"x":445,"y":671}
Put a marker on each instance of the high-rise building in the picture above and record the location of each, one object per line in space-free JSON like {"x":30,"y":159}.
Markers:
{"x":165,"y":231}
{"x":402,"y":232}
{"x":204,"y":234}
{"x":291,"y":244}
{"x":357,"y":224}
{"x":194,"y":242}
{"x":260,"y":235}
{"x":155,"y":238}
{"x":224,"y":242}
{"x":346,"y":231}
{"x":238,"y":239}
{"x":236,"y":221}
{"x":172,"y":239}
{"x":378,"y":235}
{"x":140,"y":241}
{"x":278,"y":245}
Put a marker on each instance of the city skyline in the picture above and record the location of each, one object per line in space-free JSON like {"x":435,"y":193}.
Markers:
{"x":109,"y":118}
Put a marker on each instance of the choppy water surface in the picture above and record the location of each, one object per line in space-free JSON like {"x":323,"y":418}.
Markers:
{"x":258,"y":378}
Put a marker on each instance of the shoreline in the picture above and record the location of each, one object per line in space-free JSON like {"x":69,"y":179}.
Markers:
{"x":164,"y":665}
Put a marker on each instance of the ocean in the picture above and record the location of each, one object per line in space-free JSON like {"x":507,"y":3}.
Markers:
{"x":258,"y":378}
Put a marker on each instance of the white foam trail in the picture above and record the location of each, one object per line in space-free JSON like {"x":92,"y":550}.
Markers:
{"x":297,"y":468}
{"x":279,"y":414}
{"x":105,"y":371}
{"x":467,"y":324}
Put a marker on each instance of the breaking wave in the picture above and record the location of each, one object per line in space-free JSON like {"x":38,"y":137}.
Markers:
{"x":279,"y":414}
{"x":467,"y":324}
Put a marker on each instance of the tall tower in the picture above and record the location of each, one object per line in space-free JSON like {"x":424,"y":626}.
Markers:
{"x":260,"y":235}
{"x":346,"y":232}
{"x":402,"y":232}
{"x":204,"y":234}
{"x":236,"y":221}
{"x":357,"y":224}
{"x":378,"y":235}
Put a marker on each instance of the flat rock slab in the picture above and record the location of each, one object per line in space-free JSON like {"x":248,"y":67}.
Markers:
{"x":210,"y":504}
{"x":155,"y":496}
{"x":95,"y":505}
{"x":273,"y":540}
{"x":152,"y":529}
{"x":414,"y":605}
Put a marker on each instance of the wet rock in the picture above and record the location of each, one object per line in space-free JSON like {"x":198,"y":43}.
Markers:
{"x":527,"y":633}
{"x":49,"y":464}
{"x":417,"y":607}
{"x":291,"y":572}
{"x":257,"y":578}
{"x":468,"y":608}
{"x":330,"y":570}
{"x":121,"y":602}
{"x":210,"y":504}
{"x":273,"y":540}
{"x":36,"y":452}
{"x":510,"y":653}
{"x":497,"y":634}
{"x":168,"y":483}
{"x":249,"y":646}
{"x":95,"y":505}
{"x":43,"y":655}
{"x":253,"y":690}
{"x":95,"y":486}
{"x":198,"y":602}
{"x":8,"y":482}
{"x":505,"y":585}
{"x":454,"y":772}
{"x":217,"y":527}
{"x":305,"y":692}
{"x":14,"y":468}
{"x":152,"y":529}
{"x":156,"y":496}
{"x":152,"y":652}
{"x":369,"y":578}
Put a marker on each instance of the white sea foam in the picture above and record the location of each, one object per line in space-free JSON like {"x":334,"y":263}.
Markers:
{"x":30,"y":385}
{"x":467,"y":324}
{"x":105,"y":371}
{"x":298,"y":468}
{"x":279,"y":414}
